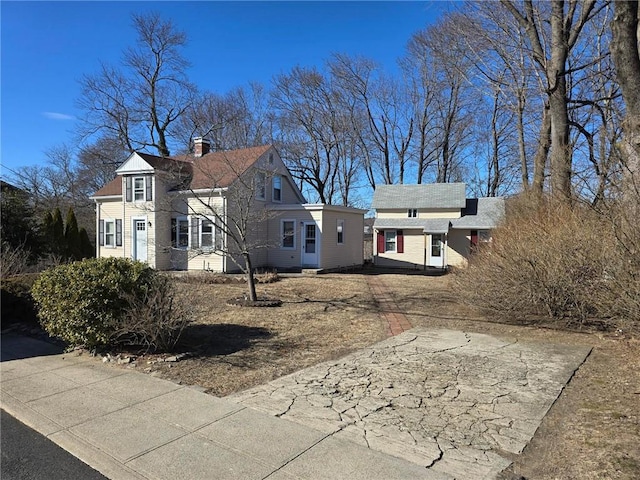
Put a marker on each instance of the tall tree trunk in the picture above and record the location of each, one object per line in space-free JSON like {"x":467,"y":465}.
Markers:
{"x":551,"y":58}
{"x":522,"y":151}
{"x":625,"y":49}
{"x":560,"y":149}
{"x":542,"y":153}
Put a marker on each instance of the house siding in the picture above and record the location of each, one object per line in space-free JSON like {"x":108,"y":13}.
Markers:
{"x":413,"y":255}
{"x":458,"y":247}
{"x":204,"y":261}
{"x":350,"y":252}
{"x":139,"y":210}
{"x":107,"y":210}
{"x":426,"y":214}
{"x":290,"y":258}
{"x":166,"y":204}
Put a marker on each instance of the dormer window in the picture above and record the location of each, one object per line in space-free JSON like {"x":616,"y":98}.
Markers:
{"x":139,"y":189}
{"x":412,"y":213}
{"x":271,"y":159}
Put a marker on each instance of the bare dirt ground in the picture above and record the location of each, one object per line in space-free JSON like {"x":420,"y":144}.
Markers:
{"x":591,"y":432}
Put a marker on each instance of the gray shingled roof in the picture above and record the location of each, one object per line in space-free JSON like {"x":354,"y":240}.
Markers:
{"x":427,"y":225}
{"x":480,"y":214}
{"x":431,"y":195}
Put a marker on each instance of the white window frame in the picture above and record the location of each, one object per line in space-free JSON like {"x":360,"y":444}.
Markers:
{"x":387,"y":240}
{"x":177,"y":233}
{"x":202,"y":234}
{"x":282,"y":222}
{"x":277,"y":178}
{"x":135,"y":190}
{"x":340,"y":232}
{"x":261,"y":186}
{"x":412,"y":213}
{"x":107,"y":222}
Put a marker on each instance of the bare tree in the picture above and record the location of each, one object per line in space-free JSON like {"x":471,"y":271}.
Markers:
{"x":220,"y":196}
{"x":319,"y":133}
{"x":237,"y":119}
{"x":385,"y":105}
{"x":496,"y":46}
{"x":439,"y":52}
{"x":567,"y":20}
{"x":140,"y":102}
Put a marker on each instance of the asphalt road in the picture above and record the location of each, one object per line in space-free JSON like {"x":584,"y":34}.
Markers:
{"x":27,"y":455}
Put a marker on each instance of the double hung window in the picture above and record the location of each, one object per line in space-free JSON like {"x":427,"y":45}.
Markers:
{"x":288,"y":234}
{"x":277,"y":188}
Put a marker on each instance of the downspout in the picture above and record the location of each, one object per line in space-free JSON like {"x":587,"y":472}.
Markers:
{"x":375,"y":246}
{"x":424,"y":250}
{"x":124,"y":223}
{"x":444,"y":253}
{"x":97,"y":228}
{"x":224,"y":240}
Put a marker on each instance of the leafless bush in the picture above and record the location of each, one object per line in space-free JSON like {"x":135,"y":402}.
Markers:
{"x":13,"y":260}
{"x":622,"y":297}
{"x":156,"y":320}
{"x":546,"y":260}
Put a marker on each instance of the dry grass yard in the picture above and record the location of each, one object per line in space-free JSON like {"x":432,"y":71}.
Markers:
{"x":591,"y":432}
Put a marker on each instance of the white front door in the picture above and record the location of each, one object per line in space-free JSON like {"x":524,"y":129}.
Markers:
{"x":436,"y":250}
{"x":140,"y":240}
{"x":310,"y":245}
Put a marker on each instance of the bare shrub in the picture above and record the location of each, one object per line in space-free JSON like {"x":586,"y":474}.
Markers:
{"x":154,"y":321}
{"x":13,"y":260}
{"x":621,"y":298}
{"x":547,"y":259}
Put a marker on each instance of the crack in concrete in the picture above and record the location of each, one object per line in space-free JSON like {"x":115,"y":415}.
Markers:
{"x":448,"y":405}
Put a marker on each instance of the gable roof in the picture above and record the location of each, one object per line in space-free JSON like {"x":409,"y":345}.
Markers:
{"x":430,"y":195}
{"x":221,"y":169}
{"x":215,"y":169}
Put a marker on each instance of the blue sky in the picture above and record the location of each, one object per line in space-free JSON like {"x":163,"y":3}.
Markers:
{"x":46,"y":47}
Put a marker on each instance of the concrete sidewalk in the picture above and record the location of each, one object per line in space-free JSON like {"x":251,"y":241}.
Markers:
{"x":129,"y":425}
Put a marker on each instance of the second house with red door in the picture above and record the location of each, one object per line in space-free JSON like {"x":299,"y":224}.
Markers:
{"x":430,"y":225}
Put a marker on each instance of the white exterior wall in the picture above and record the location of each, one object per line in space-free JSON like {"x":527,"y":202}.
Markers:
{"x":348,"y":253}
{"x":417,"y":243}
{"x":287,"y":258}
{"x":431,"y":213}
{"x":205,"y":261}
{"x":139,"y":210}
{"x":331,"y":254}
{"x":161,"y":225}
{"x":414,"y":241}
{"x":413,"y":255}
{"x":109,"y":210}
{"x":440,"y":213}
{"x":458,"y":248}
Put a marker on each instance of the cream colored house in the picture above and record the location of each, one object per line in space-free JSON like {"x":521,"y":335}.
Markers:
{"x":430,"y":225}
{"x":199,"y":211}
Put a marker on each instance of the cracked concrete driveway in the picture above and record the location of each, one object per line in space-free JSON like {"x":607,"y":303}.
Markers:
{"x":458,"y":403}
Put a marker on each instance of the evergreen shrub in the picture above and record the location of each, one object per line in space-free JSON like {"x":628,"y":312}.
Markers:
{"x":85,"y":303}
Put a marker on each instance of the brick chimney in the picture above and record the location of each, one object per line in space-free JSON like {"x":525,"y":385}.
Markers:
{"x":201,"y":147}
